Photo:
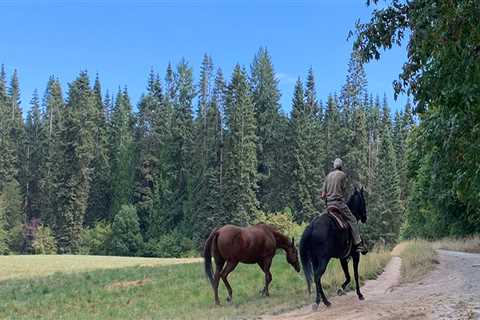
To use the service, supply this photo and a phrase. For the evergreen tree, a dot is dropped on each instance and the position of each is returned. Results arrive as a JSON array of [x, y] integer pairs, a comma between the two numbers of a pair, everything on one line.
[[332, 132], [154, 136], [314, 143], [3, 224], [385, 209], [34, 156], [182, 147], [11, 129], [355, 135], [50, 169], [209, 212], [272, 193], [121, 152], [299, 122], [77, 147], [241, 157], [99, 196], [204, 100], [13, 205]]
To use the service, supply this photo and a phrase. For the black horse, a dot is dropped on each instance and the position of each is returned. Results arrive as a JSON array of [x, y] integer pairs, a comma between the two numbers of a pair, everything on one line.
[[323, 239]]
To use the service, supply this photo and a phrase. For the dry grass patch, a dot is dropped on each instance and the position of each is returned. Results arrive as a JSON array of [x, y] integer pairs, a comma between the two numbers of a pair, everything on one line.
[[127, 284], [471, 244], [418, 258], [32, 266]]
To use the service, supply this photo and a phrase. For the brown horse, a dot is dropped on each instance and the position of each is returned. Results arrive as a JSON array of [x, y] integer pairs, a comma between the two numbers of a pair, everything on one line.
[[255, 244]]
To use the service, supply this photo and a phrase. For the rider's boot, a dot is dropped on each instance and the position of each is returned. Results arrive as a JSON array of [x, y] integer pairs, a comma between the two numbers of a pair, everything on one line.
[[361, 248]]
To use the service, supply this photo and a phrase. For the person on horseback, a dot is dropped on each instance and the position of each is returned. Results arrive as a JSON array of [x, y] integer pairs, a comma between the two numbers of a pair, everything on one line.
[[334, 189]]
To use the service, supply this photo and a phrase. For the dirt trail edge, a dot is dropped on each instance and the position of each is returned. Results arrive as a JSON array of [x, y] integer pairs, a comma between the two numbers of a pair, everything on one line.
[[451, 291]]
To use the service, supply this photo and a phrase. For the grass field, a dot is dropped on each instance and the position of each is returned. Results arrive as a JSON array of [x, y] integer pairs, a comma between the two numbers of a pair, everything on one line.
[[154, 292], [28, 266]]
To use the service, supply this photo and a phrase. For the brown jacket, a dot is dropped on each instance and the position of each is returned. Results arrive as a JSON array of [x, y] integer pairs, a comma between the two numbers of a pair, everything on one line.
[[335, 186]]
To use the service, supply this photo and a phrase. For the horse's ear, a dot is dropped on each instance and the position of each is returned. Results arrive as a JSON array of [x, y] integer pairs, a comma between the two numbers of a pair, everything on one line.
[[355, 188], [293, 241]]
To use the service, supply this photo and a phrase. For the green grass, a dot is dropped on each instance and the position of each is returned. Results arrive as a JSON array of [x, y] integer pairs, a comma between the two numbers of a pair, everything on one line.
[[418, 258], [28, 266], [165, 292]]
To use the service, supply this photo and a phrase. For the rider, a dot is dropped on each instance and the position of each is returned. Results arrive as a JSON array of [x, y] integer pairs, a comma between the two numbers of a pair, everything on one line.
[[334, 190]]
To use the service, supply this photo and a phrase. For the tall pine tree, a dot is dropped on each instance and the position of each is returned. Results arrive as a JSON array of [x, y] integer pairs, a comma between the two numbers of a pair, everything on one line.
[[241, 156]]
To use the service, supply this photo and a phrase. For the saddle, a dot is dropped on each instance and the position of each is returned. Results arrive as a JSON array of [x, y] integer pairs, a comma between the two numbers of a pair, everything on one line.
[[338, 217]]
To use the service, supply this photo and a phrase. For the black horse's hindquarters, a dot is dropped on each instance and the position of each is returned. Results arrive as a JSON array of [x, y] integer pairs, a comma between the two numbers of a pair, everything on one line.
[[329, 239]]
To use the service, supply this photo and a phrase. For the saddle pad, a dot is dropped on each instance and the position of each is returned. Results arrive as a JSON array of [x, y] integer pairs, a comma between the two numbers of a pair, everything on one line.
[[338, 217]]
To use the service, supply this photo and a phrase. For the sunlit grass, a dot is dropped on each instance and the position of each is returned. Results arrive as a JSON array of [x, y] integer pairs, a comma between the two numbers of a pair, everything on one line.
[[418, 258], [163, 292], [28, 266]]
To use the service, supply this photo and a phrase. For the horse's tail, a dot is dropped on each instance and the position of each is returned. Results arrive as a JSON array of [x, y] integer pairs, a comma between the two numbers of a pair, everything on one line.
[[305, 256], [207, 254]]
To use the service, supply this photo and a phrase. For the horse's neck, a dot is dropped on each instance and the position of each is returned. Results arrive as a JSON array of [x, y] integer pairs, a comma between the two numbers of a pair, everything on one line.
[[352, 207], [282, 241]]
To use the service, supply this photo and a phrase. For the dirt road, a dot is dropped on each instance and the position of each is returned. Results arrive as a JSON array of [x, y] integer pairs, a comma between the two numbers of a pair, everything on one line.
[[451, 291]]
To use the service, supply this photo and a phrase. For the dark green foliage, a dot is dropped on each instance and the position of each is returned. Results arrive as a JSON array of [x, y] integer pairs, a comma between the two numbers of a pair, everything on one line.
[[96, 240], [306, 152], [76, 147], [209, 207], [50, 166], [153, 134], [241, 154], [272, 193], [181, 148], [99, 200], [33, 158], [3, 227], [13, 205], [170, 245], [126, 238], [122, 154], [11, 129], [442, 74]]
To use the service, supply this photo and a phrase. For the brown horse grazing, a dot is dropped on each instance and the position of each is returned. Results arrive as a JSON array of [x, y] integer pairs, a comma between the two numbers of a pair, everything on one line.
[[254, 244]]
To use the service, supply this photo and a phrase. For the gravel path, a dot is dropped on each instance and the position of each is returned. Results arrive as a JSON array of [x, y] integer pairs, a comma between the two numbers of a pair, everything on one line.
[[451, 291]]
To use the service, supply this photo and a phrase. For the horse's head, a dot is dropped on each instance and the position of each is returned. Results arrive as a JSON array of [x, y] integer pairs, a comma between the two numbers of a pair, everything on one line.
[[292, 255], [358, 205]]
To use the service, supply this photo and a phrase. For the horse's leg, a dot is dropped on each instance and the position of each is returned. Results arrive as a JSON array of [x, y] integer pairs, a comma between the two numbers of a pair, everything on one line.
[[318, 273], [219, 262], [265, 265], [224, 274], [356, 261], [344, 263]]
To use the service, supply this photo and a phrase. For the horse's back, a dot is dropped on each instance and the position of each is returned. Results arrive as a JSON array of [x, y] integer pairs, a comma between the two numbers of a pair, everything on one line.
[[245, 244]]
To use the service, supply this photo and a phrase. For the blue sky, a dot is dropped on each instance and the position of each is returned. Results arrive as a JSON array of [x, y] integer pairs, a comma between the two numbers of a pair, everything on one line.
[[121, 40]]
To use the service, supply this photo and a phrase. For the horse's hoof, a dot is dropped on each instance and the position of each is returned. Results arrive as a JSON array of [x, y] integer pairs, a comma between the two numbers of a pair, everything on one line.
[[229, 299], [361, 297], [315, 307], [327, 303], [217, 303], [340, 292]]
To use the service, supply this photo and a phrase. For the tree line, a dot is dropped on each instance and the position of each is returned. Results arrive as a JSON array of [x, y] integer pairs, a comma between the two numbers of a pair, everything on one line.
[[85, 172]]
